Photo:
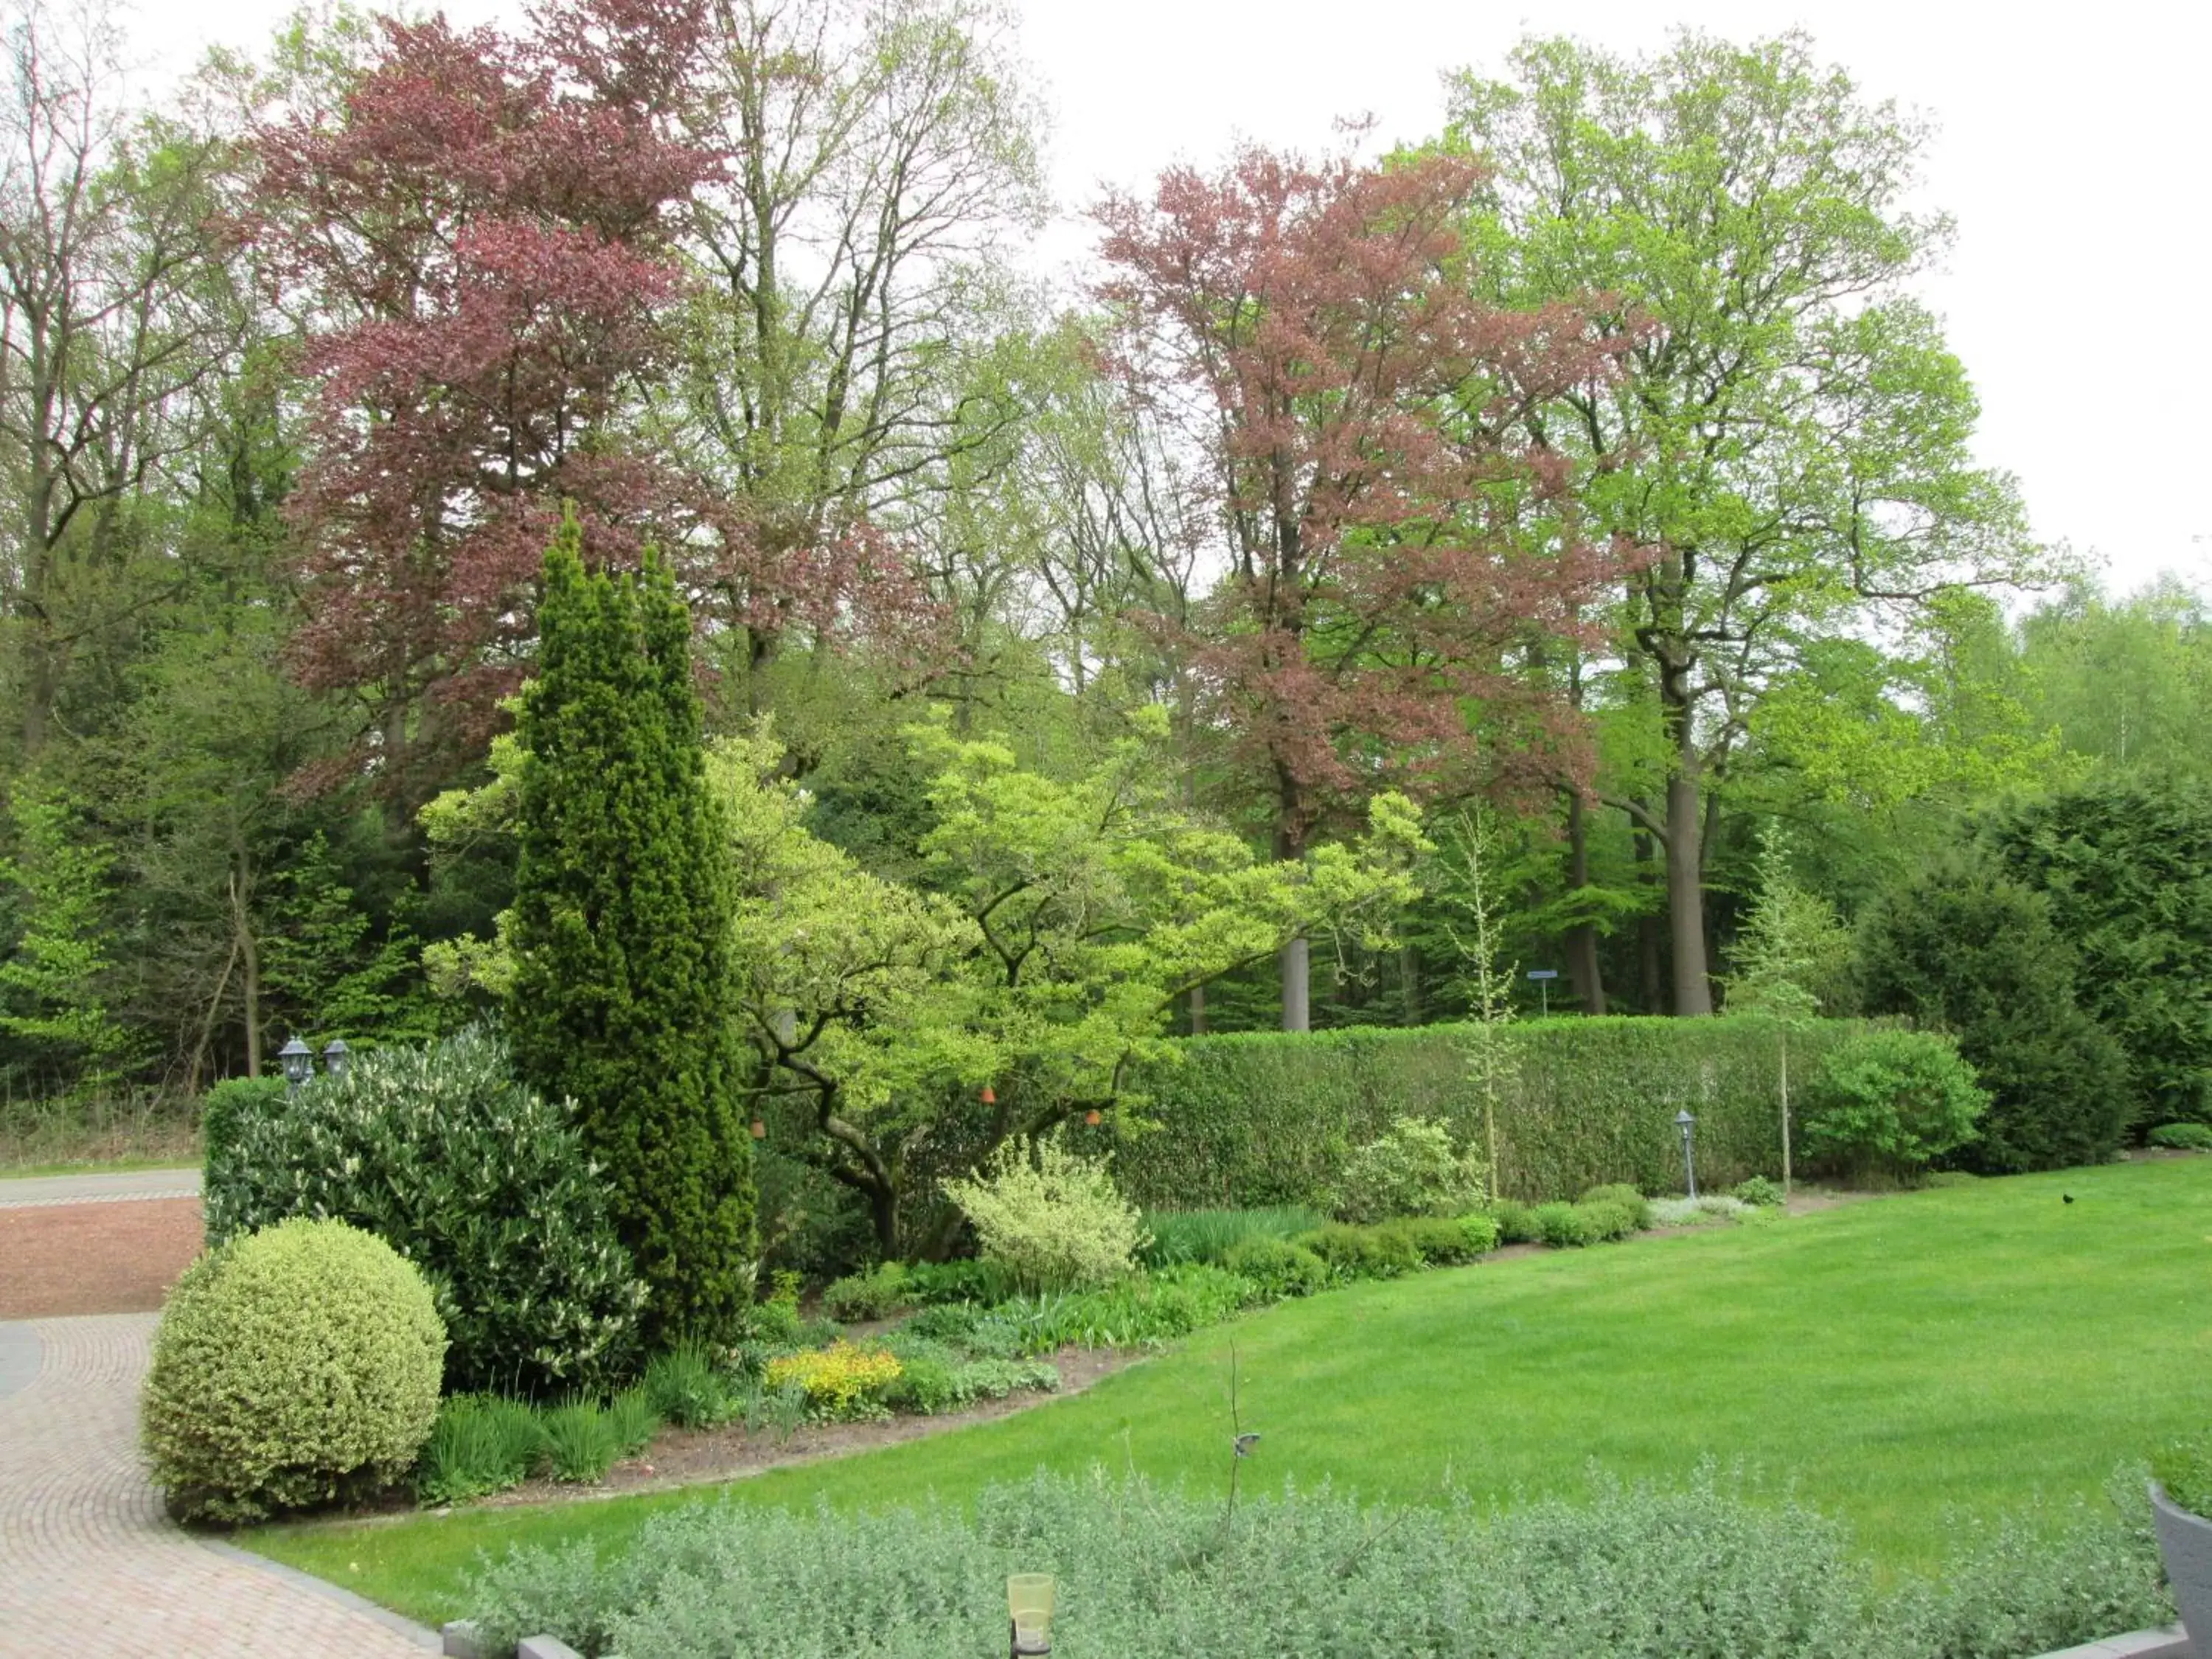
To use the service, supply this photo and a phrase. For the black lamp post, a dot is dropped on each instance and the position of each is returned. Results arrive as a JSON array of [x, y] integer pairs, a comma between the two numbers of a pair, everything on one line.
[[299, 1062], [335, 1056], [1687, 1125]]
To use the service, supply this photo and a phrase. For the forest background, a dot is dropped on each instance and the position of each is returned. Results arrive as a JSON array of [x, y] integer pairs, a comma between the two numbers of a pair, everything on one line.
[[1588, 473]]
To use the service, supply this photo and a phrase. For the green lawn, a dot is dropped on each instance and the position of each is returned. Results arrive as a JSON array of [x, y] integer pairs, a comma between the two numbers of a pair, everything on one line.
[[1967, 1348]]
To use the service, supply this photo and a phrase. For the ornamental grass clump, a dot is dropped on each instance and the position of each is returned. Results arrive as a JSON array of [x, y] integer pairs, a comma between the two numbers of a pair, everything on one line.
[[480, 1445], [1053, 1217], [293, 1367]]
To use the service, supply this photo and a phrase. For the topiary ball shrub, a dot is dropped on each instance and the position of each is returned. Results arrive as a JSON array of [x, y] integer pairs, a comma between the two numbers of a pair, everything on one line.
[[481, 1183], [293, 1367], [1886, 1103]]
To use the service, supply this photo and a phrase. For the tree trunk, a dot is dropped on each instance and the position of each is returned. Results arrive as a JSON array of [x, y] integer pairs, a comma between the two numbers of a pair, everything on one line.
[[1198, 1010], [1297, 972], [1685, 896], [1651, 982], [1409, 983], [1582, 939]]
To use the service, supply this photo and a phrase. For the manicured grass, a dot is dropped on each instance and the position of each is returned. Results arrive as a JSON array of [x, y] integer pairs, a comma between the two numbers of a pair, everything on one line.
[[1966, 1349]]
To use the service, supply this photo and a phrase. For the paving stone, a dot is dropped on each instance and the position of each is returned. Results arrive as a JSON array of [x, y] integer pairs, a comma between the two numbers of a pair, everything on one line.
[[89, 1566]]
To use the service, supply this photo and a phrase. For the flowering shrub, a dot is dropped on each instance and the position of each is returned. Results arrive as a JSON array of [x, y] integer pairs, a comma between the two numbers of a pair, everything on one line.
[[841, 1382], [1057, 1223]]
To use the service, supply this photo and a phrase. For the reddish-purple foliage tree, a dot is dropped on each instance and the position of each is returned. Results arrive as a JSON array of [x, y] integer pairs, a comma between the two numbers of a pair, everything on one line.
[[479, 231], [1394, 548]]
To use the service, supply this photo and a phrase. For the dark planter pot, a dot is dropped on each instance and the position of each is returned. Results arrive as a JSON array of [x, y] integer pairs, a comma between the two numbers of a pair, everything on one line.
[[2185, 1541]]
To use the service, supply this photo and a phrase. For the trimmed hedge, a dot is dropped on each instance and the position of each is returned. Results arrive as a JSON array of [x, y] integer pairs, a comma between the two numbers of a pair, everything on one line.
[[1266, 1117]]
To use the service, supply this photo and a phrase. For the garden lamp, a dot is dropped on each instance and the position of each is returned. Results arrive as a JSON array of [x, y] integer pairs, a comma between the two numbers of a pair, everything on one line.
[[1687, 1125], [1029, 1600], [335, 1056], [299, 1062]]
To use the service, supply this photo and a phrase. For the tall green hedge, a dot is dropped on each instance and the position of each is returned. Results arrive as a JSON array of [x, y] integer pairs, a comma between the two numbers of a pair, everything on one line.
[[1269, 1117]]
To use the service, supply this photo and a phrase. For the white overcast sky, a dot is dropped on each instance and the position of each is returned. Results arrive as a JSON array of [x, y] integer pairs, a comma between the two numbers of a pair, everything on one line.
[[2074, 149]]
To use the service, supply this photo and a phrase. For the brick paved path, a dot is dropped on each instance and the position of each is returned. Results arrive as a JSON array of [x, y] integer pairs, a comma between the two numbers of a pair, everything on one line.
[[89, 1567]]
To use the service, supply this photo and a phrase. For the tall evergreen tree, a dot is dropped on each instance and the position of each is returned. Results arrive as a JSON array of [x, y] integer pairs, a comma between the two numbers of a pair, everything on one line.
[[623, 993]]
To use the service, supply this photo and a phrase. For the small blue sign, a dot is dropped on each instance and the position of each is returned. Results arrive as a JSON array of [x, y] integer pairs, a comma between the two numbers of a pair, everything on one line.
[[1543, 973]]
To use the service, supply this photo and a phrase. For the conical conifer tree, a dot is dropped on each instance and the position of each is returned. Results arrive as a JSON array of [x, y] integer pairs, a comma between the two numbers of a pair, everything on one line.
[[622, 999]]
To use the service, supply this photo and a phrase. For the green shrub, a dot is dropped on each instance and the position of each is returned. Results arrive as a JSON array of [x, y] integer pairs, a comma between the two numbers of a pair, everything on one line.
[[1412, 1168], [935, 1283], [1609, 1219], [1180, 1236], [1260, 1117], [1446, 1240], [582, 1441], [1361, 1252], [1949, 1178], [624, 986], [876, 1294], [1961, 949], [1152, 1308], [1279, 1267], [1888, 1101], [293, 1367], [1759, 1191], [481, 1183], [935, 1380], [2125, 866], [683, 1386], [1515, 1223], [228, 1106], [927, 1383], [481, 1444], [2184, 1137], [1053, 1219], [1711, 1568], [1626, 1197], [1564, 1226]]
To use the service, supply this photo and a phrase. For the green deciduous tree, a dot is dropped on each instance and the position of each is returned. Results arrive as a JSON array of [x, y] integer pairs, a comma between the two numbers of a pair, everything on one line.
[[54, 981], [621, 932], [1791, 440]]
